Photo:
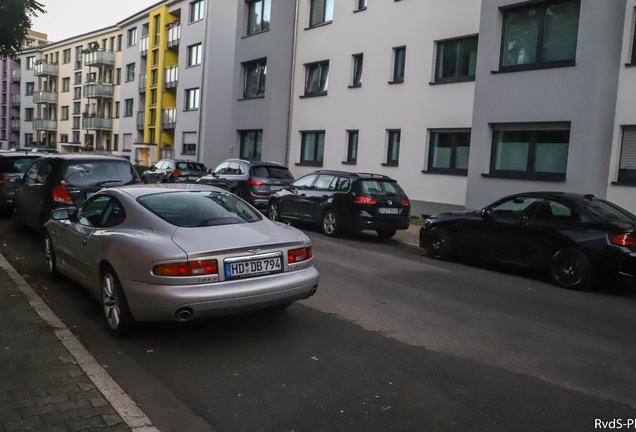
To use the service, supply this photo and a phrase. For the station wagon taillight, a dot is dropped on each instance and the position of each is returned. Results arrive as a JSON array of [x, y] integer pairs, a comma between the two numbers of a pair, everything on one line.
[[406, 202], [176, 173], [622, 239], [60, 194], [255, 182], [365, 200], [4, 179], [190, 268], [298, 255]]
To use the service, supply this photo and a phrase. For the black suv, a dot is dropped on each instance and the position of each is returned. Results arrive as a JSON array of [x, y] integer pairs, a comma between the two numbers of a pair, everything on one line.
[[13, 165], [55, 181], [174, 171], [254, 181], [341, 200]]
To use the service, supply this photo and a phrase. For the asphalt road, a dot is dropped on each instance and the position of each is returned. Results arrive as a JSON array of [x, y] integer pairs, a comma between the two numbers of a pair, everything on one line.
[[392, 341]]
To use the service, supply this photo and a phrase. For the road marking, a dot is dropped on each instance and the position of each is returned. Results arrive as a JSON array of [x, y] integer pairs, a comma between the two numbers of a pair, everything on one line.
[[120, 401]]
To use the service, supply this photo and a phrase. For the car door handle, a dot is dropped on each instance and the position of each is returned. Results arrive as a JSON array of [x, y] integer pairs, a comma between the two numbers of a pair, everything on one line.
[[54, 232], [84, 242]]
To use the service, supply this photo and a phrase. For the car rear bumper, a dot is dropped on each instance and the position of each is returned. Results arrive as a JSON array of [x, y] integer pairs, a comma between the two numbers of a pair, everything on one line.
[[627, 266], [6, 197], [162, 302], [377, 223]]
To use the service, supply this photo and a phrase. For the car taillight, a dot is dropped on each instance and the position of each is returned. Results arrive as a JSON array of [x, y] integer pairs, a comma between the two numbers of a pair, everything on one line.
[[191, 268], [365, 200], [4, 179], [255, 182], [622, 239], [176, 173], [298, 255], [60, 194], [406, 202]]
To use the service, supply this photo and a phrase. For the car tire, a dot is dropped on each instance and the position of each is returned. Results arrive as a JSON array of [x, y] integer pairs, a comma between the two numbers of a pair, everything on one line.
[[386, 234], [115, 306], [49, 257], [17, 223], [438, 244], [273, 211], [330, 223], [570, 268]]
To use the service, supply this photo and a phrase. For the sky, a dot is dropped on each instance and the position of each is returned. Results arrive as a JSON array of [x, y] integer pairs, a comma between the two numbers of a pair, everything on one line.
[[67, 18]]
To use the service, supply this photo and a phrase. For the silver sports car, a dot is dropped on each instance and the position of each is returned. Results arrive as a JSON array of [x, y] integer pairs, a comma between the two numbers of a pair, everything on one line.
[[177, 252]]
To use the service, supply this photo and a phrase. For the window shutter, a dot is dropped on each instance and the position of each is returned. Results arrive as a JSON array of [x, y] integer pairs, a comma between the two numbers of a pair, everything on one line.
[[628, 148]]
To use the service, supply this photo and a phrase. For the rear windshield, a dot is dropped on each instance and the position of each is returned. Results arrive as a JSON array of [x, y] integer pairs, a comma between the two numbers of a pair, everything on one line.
[[15, 165], [607, 211], [380, 187], [190, 166], [200, 208], [272, 172], [99, 173]]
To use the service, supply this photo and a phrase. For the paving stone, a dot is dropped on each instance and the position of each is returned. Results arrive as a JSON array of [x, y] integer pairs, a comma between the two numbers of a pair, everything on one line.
[[86, 387], [53, 419], [33, 423], [32, 412], [91, 412], [111, 420], [98, 402], [65, 406], [93, 422], [41, 401]]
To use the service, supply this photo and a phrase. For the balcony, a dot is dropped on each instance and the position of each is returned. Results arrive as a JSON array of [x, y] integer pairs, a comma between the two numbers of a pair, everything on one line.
[[99, 58], [142, 83], [45, 125], [44, 97], [171, 77], [97, 123], [15, 124], [98, 91], [15, 100], [42, 68], [141, 120], [16, 75], [174, 36], [169, 118], [143, 46]]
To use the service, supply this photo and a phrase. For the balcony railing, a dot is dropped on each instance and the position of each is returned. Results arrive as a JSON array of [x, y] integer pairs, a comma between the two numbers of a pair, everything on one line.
[[44, 97], [97, 123], [171, 77], [95, 91], [174, 36], [142, 83], [141, 120], [15, 100], [143, 46], [169, 118], [15, 123], [45, 125], [42, 68], [99, 58], [16, 75]]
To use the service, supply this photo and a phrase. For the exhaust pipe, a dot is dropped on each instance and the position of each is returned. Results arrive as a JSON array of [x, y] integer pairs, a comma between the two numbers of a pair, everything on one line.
[[184, 314], [313, 290]]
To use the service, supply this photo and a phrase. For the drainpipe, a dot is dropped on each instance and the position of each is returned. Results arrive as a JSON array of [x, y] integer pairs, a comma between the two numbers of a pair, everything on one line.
[[202, 111], [291, 86]]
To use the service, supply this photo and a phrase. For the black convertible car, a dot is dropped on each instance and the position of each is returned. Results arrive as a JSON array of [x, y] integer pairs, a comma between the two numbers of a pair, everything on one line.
[[574, 237]]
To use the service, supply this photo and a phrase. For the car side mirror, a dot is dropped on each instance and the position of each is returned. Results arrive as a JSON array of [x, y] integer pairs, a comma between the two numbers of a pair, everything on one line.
[[15, 179], [152, 168], [62, 213], [210, 171], [485, 213]]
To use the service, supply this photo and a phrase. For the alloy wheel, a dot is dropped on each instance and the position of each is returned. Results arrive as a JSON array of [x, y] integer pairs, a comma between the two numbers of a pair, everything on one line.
[[329, 223], [273, 212], [110, 301], [49, 255], [570, 268]]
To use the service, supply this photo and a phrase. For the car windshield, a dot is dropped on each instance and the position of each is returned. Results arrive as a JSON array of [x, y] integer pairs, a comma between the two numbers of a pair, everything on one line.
[[15, 165], [200, 208], [191, 166], [272, 172], [607, 211], [380, 187], [98, 173]]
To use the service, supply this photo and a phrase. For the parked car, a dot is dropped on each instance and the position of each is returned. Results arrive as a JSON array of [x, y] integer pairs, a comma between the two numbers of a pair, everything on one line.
[[13, 165], [341, 200], [572, 237], [55, 181], [174, 171], [41, 150], [254, 181], [178, 253]]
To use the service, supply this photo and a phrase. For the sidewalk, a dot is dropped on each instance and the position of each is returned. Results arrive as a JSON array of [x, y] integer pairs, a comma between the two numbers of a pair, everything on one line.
[[48, 381], [410, 236]]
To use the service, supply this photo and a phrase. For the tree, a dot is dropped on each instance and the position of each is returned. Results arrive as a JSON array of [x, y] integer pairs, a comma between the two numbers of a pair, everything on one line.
[[15, 21]]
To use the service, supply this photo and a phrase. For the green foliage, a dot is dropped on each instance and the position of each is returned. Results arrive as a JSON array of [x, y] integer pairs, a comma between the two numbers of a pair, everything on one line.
[[140, 169], [15, 21]]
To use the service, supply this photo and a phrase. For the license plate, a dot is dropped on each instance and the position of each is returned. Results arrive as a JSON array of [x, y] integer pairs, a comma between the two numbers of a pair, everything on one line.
[[384, 210], [88, 195], [252, 268], [275, 188]]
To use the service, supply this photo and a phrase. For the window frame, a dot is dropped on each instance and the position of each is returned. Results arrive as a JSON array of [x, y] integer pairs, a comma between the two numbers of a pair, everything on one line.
[[261, 67], [324, 14], [389, 147], [128, 102], [458, 61], [394, 78], [193, 16], [452, 170], [187, 100], [251, 3], [351, 159], [321, 84], [244, 133], [131, 37], [130, 67], [314, 161], [626, 175], [358, 70], [198, 50]]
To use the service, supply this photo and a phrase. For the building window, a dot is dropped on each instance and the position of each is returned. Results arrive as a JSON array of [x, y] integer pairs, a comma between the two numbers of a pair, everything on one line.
[[76, 108], [197, 10], [78, 57], [118, 76], [352, 146], [119, 42], [627, 164], [153, 97], [63, 138], [399, 63], [258, 16], [540, 35], [192, 99], [130, 72], [194, 55], [254, 82], [456, 60], [312, 147], [361, 4], [189, 143], [28, 114], [77, 93], [448, 152], [154, 76], [321, 12], [534, 152], [76, 122], [357, 70], [28, 139], [76, 136], [155, 57], [157, 25], [128, 108], [251, 144], [64, 113], [66, 56], [116, 113], [132, 36], [29, 88], [77, 78], [317, 78], [66, 84], [115, 142], [151, 136], [30, 62], [393, 147]]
